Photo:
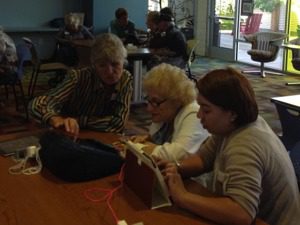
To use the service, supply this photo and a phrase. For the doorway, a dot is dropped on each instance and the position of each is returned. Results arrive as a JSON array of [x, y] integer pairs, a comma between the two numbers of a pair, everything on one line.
[[222, 32], [266, 16], [228, 25]]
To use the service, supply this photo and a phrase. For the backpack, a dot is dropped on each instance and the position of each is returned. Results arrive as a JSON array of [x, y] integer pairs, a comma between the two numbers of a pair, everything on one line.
[[83, 160]]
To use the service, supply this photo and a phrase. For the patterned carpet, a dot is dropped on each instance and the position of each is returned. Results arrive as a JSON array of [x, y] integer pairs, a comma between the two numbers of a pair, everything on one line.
[[139, 120], [265, 88]]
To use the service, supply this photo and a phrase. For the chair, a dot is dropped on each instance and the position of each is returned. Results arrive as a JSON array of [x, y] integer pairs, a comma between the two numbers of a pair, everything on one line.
[[252, 24], [295, 157], [40, 67], [191, 46], [23, 53], [296, 54], [294, 45], [290, 125], [265, 47]]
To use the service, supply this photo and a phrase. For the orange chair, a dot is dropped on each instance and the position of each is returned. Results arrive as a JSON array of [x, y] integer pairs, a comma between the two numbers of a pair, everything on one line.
[[252, 24]]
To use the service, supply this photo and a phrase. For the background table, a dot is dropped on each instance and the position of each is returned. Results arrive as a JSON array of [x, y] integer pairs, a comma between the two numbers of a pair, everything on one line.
[[137, 55]]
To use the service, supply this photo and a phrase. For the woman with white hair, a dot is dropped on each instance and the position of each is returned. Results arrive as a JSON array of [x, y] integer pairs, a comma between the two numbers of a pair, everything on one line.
[[95, 97], [175, 131]]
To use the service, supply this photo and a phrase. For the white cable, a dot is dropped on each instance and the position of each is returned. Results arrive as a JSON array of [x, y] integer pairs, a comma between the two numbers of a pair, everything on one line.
[[20, 168]]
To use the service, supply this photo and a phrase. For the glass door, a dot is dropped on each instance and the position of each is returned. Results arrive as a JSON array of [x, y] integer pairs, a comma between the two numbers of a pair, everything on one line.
[[222, 29], [266, 15]]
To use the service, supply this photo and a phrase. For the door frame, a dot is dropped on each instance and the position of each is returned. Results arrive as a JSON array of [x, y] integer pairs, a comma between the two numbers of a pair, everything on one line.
[[218, 52]]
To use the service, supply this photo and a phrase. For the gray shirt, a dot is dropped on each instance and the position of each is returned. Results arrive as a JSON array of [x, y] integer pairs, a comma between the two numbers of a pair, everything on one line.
[[252, 167]]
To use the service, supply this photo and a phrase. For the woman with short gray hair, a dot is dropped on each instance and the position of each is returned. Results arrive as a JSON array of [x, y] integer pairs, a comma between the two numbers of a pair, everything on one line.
[[108, 47], [96, 97]]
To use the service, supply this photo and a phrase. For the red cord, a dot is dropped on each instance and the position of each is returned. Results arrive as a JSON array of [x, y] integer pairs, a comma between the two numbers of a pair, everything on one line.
[[108, 194]]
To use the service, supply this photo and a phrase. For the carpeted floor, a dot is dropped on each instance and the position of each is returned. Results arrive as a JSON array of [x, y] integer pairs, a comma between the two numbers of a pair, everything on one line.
[[139, 120], [265, 88]]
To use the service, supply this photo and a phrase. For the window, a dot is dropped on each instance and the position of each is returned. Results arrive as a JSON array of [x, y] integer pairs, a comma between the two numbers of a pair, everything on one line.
[[154, 5]]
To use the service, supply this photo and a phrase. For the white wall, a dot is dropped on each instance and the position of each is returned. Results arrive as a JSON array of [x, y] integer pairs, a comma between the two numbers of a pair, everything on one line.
[[201, 25]]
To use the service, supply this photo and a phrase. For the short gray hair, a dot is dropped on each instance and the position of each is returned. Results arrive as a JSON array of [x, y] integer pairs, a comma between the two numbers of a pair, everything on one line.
[[170, 82], [109, 47]]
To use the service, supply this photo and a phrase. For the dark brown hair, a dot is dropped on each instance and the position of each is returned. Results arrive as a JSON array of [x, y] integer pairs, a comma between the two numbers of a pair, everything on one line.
[[120, 12], [229, 89]]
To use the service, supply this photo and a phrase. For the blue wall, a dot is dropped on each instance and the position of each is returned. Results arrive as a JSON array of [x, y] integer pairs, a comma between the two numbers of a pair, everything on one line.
[[34, 13], [104, 12]]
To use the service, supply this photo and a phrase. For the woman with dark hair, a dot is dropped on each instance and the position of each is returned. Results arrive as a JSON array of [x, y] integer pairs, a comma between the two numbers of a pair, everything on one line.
[[252, 173]]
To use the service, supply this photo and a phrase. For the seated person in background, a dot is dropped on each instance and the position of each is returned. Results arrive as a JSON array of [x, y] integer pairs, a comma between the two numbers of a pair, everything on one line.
[[252, 172], [152, 22], [172, 47], [95, 97], [175, 131], [123, 27], [8, 59], [73, 30], [168, 11]]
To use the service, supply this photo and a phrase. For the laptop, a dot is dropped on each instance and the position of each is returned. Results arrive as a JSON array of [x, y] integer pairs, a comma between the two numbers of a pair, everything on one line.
[[16, 146], [143, 177]]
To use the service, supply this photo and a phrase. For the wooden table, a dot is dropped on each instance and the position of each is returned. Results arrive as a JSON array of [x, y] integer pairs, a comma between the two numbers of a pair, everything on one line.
[[43, 199]]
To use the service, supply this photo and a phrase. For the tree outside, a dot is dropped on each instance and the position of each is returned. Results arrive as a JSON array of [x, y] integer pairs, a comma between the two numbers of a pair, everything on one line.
[[272, 6]]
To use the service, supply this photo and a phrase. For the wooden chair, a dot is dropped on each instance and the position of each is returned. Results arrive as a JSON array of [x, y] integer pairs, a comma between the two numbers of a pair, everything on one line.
[[40, 67], [252, 24]]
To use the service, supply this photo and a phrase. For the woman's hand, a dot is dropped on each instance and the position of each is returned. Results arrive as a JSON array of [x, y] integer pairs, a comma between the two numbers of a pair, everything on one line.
[[175, 183], [69, 124], [139, 138], [161, 163]]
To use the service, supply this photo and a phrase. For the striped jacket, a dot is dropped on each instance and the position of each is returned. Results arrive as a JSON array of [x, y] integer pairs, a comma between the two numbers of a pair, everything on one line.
[[82, 95]]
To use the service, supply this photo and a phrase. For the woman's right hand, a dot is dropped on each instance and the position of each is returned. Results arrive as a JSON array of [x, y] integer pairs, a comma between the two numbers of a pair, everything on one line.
[[69, 124], [161, 163]]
